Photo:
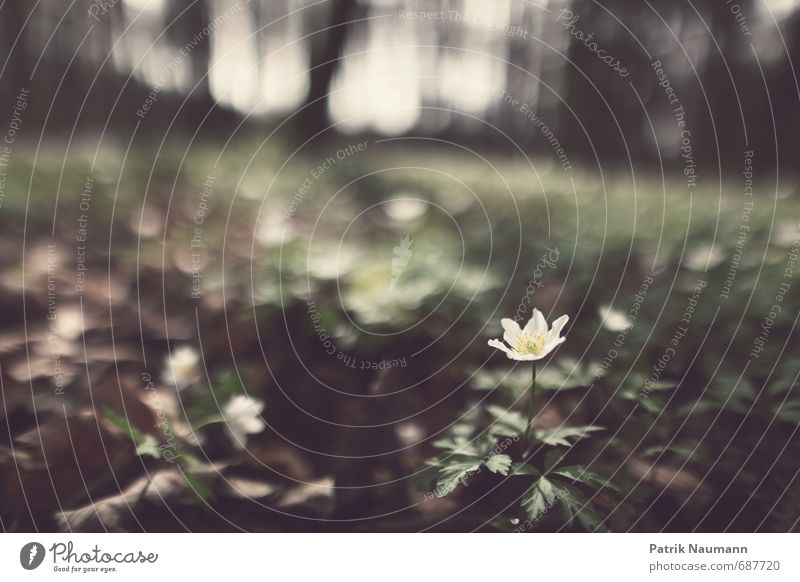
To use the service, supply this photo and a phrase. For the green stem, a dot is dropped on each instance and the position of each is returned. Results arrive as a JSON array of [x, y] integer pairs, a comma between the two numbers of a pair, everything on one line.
[[208, 421], [531, 409]]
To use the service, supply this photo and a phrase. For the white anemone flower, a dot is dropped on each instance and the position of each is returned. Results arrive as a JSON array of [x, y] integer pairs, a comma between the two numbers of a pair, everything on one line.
[[181, 367], [242, 417], [534, 341]]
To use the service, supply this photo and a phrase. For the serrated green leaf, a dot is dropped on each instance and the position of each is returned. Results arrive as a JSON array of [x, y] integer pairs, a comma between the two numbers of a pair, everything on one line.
[[499, 464], [456, 467], [506, 422], [540, 497], [583, 475], [458, 444], [453, 472], [558, 436], [576, 506], [451, 443]]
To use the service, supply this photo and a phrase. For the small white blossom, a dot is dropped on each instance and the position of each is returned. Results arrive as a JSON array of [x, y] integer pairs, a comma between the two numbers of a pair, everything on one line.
[[702, 257], [242, 417], [614, 319], [534, 341], [784, 233], [181, 368], [405, 210]]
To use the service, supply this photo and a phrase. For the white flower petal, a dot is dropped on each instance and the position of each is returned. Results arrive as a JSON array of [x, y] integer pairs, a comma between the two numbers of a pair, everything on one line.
[[251, 425], [537, 323], [512, 330], [537, 342], [512, 354], [241, 414], [500, 346], [558, 325], [553, 344], [181, 367]]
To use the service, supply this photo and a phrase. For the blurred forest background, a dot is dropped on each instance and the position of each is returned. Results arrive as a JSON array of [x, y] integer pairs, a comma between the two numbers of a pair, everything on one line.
[[91, 65], [194, 193]]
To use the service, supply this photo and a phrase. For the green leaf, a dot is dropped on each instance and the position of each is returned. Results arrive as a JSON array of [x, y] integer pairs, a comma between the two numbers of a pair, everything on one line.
[[458, 465], [200, 489], [506, 422], [514, 382], [133, 433], [567, 373], [499, 464], [146, 444], [788, 412], [524, 469], [683, 452], [583, 475], [452, 443], [456, 469], [651, 404], [558, 436], [188, 463], [207, 401], [539, 498], [576, 506]]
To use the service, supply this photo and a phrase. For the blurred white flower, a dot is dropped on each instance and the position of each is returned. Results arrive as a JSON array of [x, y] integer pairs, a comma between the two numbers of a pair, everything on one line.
[[69, 322], [181, 367], [241, 415], [403, 210], [274, 229], [410, 433], [703, 257], [614, 319], [534, 341], [784, 233]]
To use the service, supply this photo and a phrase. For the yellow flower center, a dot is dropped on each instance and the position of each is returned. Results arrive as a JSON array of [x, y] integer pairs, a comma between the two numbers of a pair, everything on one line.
[[530, 343]]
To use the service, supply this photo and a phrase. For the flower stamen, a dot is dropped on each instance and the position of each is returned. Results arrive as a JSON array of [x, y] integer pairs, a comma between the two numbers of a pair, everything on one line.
[[530, 343]]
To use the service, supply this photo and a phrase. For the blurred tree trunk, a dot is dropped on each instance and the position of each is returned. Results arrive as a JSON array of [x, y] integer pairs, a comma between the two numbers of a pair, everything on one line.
[[523, 71], [327, 40], [187, 31], [717, 125], [602, 115], [783, 80], [191, 32], [14, 55]]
